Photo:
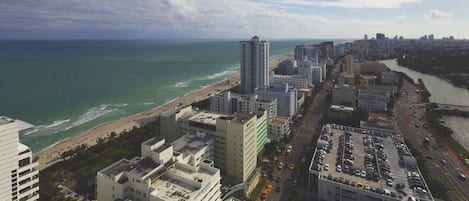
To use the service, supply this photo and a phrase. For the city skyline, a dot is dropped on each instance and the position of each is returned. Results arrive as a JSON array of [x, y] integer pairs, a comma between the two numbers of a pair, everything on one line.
[[53, 19]]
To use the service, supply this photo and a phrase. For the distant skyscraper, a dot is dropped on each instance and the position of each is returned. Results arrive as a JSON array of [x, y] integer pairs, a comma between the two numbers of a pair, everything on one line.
[[254, 64], [366, 37], [380, 36]]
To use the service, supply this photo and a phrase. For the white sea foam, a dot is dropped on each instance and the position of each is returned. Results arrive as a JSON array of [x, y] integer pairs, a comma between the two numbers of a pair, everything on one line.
[[181, 84], [57, 123], [64, 125], [148, 103], [230, 71]]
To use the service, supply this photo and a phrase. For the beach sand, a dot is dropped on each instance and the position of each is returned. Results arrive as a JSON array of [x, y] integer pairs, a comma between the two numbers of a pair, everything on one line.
[[51, 155]]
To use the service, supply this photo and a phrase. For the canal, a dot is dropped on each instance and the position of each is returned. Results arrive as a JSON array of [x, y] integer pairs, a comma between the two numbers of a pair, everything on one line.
[[442, 92]]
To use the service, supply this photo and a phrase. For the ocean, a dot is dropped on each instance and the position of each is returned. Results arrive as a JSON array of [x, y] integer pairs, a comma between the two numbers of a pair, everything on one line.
[[67, 87]]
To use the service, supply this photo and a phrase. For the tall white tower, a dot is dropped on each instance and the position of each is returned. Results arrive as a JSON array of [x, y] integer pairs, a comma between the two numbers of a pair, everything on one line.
[[19, 177], [8, 157], [254, 64]]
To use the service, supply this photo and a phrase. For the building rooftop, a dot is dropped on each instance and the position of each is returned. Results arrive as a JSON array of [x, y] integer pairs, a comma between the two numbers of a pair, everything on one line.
[[205, 117], [137, 166], [279, 121], [360, 156], [5, 120], [191, 143], [183, 182], [344, 86], [380, 123], [341, 108]]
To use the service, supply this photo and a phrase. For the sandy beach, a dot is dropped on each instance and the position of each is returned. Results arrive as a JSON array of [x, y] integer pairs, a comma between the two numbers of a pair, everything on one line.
[[51, 155]]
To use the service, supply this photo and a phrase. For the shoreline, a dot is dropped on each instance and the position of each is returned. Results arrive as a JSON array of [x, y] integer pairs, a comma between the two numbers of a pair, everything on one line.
[[51, 154]]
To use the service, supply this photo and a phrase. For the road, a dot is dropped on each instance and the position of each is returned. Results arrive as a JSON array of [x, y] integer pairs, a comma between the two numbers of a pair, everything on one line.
[[410, 119], [304, 135]]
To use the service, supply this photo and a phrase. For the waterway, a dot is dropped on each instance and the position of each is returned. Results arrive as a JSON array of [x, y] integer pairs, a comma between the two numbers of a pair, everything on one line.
[[442, 92]]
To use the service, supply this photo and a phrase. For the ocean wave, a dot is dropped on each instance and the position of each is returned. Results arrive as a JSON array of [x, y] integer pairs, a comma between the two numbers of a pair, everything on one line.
[[67, 124], [148, 103], [230, 71], [181, 84]]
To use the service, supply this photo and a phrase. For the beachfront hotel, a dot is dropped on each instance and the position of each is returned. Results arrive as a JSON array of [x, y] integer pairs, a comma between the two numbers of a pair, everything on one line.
[[182, 170], [254, 61], [361, 164], [19, 176], [237, 137]]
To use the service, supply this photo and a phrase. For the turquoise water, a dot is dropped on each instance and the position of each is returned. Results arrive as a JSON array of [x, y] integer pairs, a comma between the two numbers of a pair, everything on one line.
[[67, 87]]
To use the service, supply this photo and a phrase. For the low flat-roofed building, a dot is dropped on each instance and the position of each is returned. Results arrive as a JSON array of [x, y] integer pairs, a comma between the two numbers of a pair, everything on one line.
[[278, 129], [340, 112], [178, 171], [379, 125], [372, 100], [361, 164], [389, 77], [344, 95]]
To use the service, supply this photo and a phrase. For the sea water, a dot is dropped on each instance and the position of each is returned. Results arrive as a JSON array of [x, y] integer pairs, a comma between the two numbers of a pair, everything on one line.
[[67, 87]]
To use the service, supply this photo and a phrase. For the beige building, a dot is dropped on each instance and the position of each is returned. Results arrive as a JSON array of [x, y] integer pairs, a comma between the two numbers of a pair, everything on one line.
[[165, 172], [168, 122], [372, 67], [237, 138], [19, 176], [278, 129], [349, 64]]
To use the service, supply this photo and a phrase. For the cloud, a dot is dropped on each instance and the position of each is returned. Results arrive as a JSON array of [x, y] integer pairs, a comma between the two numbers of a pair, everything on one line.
[[401, 17], [437, 14], [172, 18], [350, 3]]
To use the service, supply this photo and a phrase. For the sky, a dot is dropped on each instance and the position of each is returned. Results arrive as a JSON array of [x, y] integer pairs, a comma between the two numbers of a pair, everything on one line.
[[231, 19]]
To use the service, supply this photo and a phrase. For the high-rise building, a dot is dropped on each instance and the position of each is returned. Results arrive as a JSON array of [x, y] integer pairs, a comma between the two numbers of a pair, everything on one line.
[[19, 176], [348, 64], [380, 36], [254, 64], [238, 138]]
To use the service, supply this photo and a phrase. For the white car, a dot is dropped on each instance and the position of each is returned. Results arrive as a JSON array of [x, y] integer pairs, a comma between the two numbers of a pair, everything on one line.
[[326, 167], [280, 165], [338, 168]]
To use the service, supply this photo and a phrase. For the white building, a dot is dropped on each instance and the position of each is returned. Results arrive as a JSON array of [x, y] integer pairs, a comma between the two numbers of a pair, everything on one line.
[[278, 129], [229, 103], [254, 64], [165, 172], [298, 80], [286, 98], [19, 176]]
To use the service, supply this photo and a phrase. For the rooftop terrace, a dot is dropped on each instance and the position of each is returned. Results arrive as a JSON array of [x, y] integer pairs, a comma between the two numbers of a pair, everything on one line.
[[183, 183], [369, 161], [191, 143], [137, 166]]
